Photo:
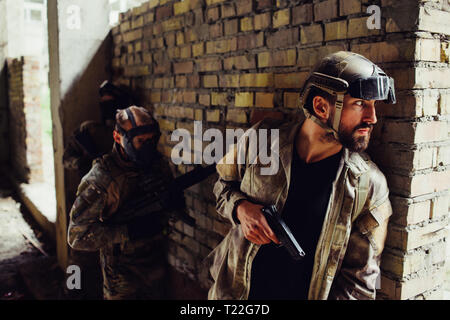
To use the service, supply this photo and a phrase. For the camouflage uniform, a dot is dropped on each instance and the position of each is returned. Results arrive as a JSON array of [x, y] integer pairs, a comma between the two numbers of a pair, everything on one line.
[[347, 258], [132, 269], [91, 140]]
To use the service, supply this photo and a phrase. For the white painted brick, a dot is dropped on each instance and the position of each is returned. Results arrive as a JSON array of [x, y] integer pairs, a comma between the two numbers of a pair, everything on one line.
[[414, 132], [428, 50], [432, 77], [402, 290], [405, 239], [439, 207], [434, 21], [405, 214], [404, 264]]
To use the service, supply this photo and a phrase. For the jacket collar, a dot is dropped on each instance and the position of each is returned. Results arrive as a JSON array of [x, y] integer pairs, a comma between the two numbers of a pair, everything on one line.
[[356, 162]]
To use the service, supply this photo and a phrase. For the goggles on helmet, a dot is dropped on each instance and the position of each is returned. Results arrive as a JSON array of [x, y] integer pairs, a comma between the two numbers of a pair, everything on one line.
[[372, 88]]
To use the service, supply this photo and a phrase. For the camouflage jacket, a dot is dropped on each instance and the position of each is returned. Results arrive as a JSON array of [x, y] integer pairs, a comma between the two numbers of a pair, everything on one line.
[[100, 196], [347, 258], [91, 140]]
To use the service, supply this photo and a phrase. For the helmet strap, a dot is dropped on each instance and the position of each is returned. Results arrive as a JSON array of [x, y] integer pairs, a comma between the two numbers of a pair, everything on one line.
[[317, 121], [337, 114]]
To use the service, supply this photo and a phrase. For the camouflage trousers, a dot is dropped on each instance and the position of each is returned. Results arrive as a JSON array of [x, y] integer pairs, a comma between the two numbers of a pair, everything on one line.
[[131, 273]]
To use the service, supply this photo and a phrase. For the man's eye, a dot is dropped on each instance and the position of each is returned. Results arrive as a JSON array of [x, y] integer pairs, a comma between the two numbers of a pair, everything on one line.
[[359, 103]]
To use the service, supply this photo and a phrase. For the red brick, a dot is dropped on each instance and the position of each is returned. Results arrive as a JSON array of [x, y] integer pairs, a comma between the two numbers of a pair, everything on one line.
[[311, 34], [204, 99], [163, 67], [240, 62], [283, 38], [167, 96], [228, 10], [277, 58], [281, 18], [164, 12], [183, 67], [216, 30], [262, 4], [210, 81], [258, 115], [244, 7], [326, 10], [189, 97], [231, 27], [290, 80], [291, 100], [172, 24], [221, 46], [209, 64], [219, 99], [181, 82], [251, 41], [170, 39], [194, 81], [348, 7], [213, 14], [229, 81], [237, 116], [264, 100], [262, 21]]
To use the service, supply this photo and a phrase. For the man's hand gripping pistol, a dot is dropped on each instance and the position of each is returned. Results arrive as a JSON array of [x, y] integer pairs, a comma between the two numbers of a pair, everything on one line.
[[282, 232]]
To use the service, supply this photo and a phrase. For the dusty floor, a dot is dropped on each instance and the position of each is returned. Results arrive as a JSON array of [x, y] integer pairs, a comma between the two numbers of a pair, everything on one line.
[[28, 268]]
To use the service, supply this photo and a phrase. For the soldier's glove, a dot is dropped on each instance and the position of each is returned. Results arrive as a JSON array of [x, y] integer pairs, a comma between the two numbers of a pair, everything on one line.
[[144, 227]]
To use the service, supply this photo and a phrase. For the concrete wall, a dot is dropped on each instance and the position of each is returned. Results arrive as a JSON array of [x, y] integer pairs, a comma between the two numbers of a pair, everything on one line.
[[4, 145], [230, 63], [79, 59]]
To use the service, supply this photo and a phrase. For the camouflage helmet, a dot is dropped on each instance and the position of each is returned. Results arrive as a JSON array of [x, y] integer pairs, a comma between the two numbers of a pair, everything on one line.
[[344, 73]]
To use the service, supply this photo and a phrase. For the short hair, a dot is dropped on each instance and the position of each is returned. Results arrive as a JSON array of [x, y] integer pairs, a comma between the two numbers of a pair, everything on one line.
[[314, 92], [144, 116]]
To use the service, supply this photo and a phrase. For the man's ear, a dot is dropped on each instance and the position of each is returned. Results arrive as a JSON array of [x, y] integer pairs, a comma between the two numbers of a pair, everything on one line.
[[117, 137], [322, 108]]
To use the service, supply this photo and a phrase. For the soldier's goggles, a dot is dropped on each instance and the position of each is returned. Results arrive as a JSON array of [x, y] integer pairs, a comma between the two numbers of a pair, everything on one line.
[[374, 88]]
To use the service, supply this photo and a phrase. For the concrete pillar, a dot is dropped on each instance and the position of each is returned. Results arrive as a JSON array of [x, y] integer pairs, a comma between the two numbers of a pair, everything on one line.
[[4, 147], [79, 58]]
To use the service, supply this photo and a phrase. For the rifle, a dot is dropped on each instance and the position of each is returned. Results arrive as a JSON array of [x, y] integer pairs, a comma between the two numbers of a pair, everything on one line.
[[158, 197], [283, 232]]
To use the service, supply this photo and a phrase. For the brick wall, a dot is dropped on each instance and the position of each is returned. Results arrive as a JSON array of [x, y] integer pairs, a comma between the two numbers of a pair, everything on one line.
[[412, 147], [230, 63], [25, 119]]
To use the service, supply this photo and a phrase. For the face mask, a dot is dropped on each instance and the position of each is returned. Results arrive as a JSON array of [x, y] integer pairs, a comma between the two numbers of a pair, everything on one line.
[[146, 154]]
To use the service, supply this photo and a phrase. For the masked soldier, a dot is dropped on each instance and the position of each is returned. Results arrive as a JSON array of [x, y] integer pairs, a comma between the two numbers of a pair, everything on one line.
[[331, 196], [108, 214], [93, 139]]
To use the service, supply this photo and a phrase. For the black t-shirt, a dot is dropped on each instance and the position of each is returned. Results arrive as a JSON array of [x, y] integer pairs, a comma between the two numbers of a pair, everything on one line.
[[275, 275]]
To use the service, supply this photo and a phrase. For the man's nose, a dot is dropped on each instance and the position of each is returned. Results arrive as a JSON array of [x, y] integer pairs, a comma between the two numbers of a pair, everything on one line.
[[370, 114]]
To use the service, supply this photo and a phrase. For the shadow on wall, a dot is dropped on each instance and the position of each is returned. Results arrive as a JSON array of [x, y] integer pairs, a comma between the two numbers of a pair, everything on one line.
[[81, 103]]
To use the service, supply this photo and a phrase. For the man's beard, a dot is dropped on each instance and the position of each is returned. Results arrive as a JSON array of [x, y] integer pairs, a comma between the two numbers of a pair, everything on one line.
[[355, 143]]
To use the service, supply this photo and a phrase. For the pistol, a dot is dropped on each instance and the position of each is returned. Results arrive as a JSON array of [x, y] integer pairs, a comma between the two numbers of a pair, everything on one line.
[[283, 232]]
